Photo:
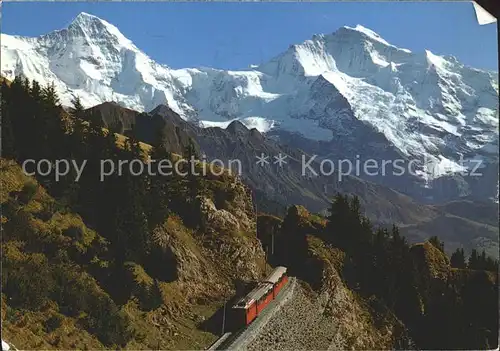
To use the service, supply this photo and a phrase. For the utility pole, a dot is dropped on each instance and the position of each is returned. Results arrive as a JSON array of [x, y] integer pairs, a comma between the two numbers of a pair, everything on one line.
[[256, 218], [267, 258], [224, 317], [272, 244]]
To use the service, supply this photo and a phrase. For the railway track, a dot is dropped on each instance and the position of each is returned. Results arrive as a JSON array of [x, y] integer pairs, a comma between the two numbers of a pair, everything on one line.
[[226, 340], [230, 340], [233, 338], [219, 343]]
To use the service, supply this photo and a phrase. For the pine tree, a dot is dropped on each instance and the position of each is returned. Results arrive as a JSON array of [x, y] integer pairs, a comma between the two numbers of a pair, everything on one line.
[[355, 208], [18, 105], [53, 124], [482, 260], [473, 260], [491, 264], [190, 151], [434, 240], [338, 224], [36, 91], [159, 192], [196, 186], [134, 221], [78, 143], [458, 259], [8, 144], [77, 110]]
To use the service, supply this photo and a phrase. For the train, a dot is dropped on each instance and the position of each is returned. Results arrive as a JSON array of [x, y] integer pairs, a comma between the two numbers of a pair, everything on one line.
[[245, 310]]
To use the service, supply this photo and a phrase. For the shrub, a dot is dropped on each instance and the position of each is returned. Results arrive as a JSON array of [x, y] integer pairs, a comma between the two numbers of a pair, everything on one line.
[[49, 209], [28, 192], [105, 320], [27, 281], [144, 287], [78, 294], [53, 322]]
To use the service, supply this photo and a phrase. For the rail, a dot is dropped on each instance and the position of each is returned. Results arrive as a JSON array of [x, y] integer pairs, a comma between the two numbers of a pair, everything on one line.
[[217, 343]]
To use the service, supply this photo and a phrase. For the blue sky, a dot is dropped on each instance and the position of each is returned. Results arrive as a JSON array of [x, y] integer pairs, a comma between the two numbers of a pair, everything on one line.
[[235, 35]]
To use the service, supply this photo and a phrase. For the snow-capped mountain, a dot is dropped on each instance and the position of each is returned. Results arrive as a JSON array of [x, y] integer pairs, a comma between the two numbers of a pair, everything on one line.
[[426, 106]]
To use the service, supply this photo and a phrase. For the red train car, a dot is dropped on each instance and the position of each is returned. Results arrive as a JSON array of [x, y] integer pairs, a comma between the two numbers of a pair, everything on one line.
[[278, 278], [250, 306]]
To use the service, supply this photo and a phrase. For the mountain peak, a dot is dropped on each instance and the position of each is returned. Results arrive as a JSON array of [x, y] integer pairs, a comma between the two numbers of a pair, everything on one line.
[[93, 26], [86, 15], [367, 33], [161, 109], [236, 127], [364, 30], [85, 19]]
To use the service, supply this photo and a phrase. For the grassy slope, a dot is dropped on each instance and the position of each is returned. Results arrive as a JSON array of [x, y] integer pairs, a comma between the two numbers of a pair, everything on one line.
[[24, 328]]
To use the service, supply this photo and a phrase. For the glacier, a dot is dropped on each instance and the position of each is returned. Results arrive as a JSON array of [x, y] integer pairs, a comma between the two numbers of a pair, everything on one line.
[[427, 106]]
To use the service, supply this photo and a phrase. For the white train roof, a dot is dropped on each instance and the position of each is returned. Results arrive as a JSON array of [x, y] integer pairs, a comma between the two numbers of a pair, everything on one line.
[[260, 290], [276, 274]]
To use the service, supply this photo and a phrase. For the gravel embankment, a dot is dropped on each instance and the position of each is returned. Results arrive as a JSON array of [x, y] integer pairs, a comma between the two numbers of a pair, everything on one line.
[[297, 323]]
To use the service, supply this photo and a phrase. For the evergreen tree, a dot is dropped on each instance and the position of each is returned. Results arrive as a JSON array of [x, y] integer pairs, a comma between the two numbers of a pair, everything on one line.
[[50, 95], [133, 218], [491, 264], [78, 139], [195, 186], [355, 208], [54, 125], [190, 151], [36, 91], [434, 240], [458, 259], [8, 145], [338, 228], [482, 261], [18, 106], [77, 110], [159, 191], [473, 260]]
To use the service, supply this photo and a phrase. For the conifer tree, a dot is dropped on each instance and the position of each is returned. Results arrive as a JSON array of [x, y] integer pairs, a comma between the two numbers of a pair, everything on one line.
[[159, 191], [482, 261], [78, 143], [18, 107], [8, 145], [457, 259], [133, 219], [338, 228], [36, 91], [195, 184], [434, 240], [473, 260], [54, 124]]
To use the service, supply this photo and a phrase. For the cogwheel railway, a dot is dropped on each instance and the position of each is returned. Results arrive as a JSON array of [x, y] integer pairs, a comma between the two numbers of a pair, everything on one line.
[[248, 308]]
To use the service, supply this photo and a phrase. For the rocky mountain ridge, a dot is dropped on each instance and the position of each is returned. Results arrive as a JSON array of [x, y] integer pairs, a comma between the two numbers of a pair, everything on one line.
[[461, 224]]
